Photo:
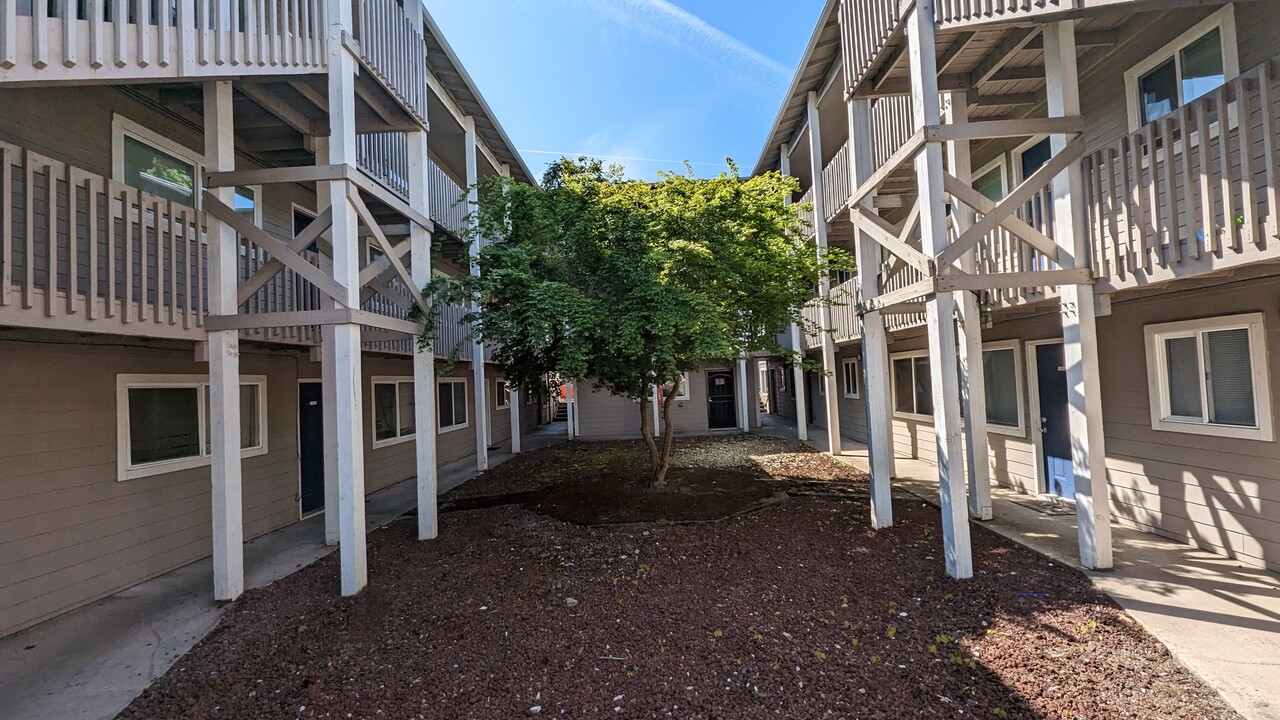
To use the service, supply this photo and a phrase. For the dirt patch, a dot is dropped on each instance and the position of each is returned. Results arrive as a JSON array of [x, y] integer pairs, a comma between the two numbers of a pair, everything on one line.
[[800, 611], [693, 494]]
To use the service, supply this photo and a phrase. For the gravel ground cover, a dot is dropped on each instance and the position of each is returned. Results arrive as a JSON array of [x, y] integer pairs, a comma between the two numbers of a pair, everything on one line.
[[798, 610]]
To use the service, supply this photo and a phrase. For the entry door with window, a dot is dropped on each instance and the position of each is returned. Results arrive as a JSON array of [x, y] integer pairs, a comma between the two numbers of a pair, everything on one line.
[[1055, 420], [721, 409], [311, 446]]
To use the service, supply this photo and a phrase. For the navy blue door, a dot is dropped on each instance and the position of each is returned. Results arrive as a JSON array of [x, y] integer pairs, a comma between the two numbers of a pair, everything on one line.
[[1055, 423], [311, 446]]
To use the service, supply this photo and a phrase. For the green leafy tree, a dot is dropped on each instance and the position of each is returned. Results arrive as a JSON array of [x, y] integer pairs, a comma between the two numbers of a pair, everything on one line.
[[631, 283]]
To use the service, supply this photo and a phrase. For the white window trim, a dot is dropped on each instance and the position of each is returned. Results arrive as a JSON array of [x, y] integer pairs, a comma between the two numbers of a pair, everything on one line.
[[1002, 162], [822, 382], [126, 470], [684, 383], [441, 430], [501, 394], [257, 203], [1224, 20], [844, 378], [1157, 377], [893, 386], [374, 382], [1014, 173], [122, 126], [1018, 375]]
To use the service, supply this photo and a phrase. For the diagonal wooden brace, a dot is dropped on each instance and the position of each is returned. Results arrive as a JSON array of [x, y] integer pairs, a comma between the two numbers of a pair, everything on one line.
[[1012, 202], [962, 192], [385, 245], [311, 234], [274, 247], [887, 235]]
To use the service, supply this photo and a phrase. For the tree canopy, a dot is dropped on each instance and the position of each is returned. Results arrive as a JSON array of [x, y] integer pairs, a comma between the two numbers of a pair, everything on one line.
[[630, 283]]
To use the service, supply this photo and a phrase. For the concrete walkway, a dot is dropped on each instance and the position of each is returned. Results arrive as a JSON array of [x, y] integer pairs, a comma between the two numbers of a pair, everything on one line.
[[92, 662], [1219, 617]]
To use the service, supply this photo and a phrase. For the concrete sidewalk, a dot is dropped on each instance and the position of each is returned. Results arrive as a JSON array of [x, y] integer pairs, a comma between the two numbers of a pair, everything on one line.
[[91, 662], [1217, 616]]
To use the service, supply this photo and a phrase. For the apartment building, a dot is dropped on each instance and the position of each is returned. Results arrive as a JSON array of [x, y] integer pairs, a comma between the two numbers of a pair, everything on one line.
[[215, 217], [722, 397], [1065, 216]]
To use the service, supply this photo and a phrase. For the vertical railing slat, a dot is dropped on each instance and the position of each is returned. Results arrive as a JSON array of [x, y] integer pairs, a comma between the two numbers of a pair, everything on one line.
[[1224, 158], [7, 201], [91, 228], [1269, 109], [1244, 138], [1208, 231], [119, 21]]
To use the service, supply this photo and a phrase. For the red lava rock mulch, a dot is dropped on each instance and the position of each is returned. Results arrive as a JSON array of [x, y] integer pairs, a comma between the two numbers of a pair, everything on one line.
[[796, 611]]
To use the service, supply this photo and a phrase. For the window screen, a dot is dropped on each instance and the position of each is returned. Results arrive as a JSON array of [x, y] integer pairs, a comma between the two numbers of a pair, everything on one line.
[[164, 424], [999, 370], [1230, 372]]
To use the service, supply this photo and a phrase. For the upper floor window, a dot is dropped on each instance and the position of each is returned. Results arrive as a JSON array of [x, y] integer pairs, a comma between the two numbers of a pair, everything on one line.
[[912, 386], [1197, 62], [1209, 377], [154, 164]]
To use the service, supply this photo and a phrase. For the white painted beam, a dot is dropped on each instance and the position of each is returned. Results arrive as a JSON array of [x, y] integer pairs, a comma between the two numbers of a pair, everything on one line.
[[477, 346], [824, 283], [875, 341], [224, 359], [424, 364], [973, 392], [925, 111], [342, 342], [513, 402], [744, 416], [1079, 313], [797, 336]]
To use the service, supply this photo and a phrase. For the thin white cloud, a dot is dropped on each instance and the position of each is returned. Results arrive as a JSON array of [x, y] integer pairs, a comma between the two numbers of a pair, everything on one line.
[[682, 28]]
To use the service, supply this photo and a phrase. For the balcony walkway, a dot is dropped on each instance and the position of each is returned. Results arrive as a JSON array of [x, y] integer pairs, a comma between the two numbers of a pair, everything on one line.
[[90, 663], [1219, 618]]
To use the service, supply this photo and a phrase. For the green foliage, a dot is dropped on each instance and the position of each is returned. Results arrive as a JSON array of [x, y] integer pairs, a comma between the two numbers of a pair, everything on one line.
[[631, 283]]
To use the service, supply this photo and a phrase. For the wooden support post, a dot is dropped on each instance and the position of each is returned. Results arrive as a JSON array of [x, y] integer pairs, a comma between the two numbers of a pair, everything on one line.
[[1079, 313], [744, 416], [875, 341], [477, 346], [328, 397], [224, 359], [973, 388], [925, 110], [424, 361], [342, 342], [513, 402], [828, 337], [569, 408], [797, 336]]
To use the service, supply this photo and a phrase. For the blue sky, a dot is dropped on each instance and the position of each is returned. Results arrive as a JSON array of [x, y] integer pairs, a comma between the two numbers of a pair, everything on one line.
[[650, 83]]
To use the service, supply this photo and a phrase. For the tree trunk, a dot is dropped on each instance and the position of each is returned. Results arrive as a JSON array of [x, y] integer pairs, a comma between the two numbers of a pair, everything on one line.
[[668, 439], [646, 431]]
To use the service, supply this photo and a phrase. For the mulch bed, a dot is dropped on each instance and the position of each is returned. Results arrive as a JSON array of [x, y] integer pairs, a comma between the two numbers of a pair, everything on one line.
[[799, 610]]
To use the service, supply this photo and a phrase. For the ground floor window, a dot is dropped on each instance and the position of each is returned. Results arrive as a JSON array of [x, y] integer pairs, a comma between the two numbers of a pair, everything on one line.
[[394, 406], [1210, 377], [912, 386], [851, 375], [163, 422], [451, 400], [501, 394], [1001, 372]]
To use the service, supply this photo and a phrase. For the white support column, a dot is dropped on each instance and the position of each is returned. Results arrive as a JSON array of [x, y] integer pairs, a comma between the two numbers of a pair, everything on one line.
[[224, 357], [342, 342], [570, 409], [797, 336], [513, 402], [477, 347], [875, 341], [824, 283], [424, 361], [973, 385], [657, 412], [744, 415], [1079, 313], [327, 394], [940, 308]]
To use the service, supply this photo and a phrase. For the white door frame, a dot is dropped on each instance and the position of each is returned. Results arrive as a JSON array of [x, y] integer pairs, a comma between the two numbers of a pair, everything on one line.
[[297, 422]]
